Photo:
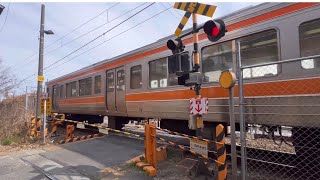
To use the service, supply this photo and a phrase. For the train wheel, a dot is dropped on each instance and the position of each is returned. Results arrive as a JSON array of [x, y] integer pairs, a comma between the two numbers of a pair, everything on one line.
[[307, 146]]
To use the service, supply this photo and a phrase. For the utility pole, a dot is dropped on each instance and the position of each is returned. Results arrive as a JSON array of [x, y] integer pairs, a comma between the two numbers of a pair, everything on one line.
[[40, 69], [40, 66]]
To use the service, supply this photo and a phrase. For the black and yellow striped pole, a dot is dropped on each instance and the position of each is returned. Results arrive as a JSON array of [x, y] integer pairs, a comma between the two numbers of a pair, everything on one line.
[[221, 152], [38, 125], [33, 128]]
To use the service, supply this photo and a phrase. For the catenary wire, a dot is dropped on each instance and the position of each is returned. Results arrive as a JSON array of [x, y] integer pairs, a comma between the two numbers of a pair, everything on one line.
[[84, 23], [86, 33], [112, 37], [176, 11], [92, 40], [170, 12], [99, 36], [81, 25], [102, 42]]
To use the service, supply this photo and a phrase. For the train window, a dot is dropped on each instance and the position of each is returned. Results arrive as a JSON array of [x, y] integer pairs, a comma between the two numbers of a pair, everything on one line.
[[158, 73], [110, 82], [72, 89], [97, 84], [120, 80], [135, 77], [61, 91], [215, 59], [85, 86], [259, 48], [310, 43]]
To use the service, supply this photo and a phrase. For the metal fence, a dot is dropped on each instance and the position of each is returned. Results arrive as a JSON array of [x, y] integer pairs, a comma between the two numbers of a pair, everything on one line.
[[30, 100], [280, 119]]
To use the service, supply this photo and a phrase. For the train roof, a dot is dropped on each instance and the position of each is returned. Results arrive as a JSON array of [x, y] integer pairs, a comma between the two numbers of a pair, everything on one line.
[[233, 17]]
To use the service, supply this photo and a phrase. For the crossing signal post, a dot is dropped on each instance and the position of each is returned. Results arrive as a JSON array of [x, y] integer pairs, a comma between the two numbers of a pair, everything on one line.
[[215, 29]]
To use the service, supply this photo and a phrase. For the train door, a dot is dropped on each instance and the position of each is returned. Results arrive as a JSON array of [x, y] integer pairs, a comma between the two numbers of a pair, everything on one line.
[[54, 97], [111, 94], [120, 90], [116, 91]]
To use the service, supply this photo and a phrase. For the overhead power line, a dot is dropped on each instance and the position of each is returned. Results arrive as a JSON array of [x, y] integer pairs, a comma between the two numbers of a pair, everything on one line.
[[104, 41], [162, 4], [176, 11], [112, 37], [100, 35], [5, 20], [93, 39], [81, 25], [84, 34]]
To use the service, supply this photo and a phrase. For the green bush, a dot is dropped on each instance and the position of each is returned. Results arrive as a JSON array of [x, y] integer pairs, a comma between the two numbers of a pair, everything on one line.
[[6, 141]]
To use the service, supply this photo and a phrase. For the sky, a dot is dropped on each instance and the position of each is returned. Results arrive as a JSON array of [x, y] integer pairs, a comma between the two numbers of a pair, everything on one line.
[[20, 23]]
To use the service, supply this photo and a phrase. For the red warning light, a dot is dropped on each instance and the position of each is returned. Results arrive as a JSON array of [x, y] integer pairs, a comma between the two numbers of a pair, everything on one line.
[[215, 29]]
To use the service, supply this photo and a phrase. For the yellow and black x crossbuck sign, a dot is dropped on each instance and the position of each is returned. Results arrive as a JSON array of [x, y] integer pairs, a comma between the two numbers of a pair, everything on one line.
[[192, 7]]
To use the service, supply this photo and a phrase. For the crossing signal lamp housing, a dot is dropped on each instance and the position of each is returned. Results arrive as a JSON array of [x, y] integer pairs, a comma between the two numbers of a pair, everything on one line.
[[215, 29], [175, 45]]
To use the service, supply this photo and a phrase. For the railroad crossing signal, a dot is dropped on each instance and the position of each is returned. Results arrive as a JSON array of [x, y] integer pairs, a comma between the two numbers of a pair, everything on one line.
[[192, 7], [175, 46], [215, 29]]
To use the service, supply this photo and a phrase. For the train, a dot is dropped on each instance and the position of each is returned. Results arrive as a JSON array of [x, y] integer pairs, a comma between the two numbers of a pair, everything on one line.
[[139, 84]]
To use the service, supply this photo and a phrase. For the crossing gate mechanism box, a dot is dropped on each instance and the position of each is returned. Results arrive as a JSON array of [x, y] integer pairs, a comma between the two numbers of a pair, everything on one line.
[[199, 146]]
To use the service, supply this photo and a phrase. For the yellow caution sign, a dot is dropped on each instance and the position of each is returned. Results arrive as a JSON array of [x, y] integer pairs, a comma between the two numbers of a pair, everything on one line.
[[40, 78], [48, 106], [192, 7], [227, 79]]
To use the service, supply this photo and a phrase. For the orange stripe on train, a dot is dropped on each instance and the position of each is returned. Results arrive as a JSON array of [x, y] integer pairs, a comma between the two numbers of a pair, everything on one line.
[[258, 89], [244, 23], [277, 88], [99, 99]]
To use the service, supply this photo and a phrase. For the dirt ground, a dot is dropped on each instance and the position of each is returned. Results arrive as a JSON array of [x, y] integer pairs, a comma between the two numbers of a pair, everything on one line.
[[7, 149], [169, 169]]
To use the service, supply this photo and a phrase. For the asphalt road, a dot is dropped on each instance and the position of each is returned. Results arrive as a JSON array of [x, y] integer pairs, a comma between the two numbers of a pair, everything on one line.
[[91, 159]]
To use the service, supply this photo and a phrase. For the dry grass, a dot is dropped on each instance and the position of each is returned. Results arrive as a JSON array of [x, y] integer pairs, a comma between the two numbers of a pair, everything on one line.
[[14, 120]]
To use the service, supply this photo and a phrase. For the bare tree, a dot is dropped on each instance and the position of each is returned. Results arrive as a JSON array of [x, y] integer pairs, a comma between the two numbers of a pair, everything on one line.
[[7, 80]]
